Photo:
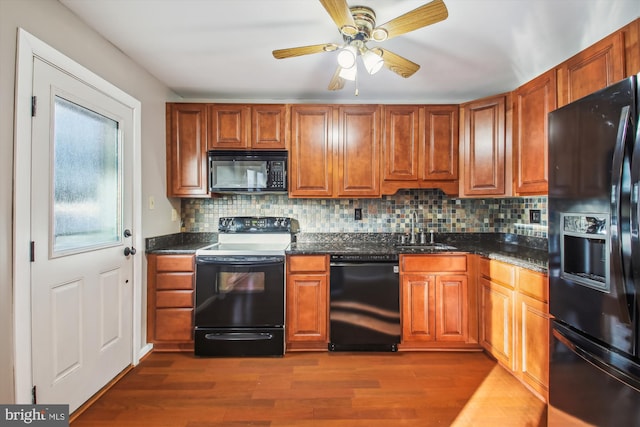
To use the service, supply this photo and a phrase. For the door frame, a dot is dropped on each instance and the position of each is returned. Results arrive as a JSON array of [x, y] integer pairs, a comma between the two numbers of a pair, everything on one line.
[[29, 47]]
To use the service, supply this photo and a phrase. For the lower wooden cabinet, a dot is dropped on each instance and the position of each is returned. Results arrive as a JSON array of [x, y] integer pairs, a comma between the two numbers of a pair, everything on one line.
[[435, 301], [170, 302], [514, 321], [532, 331], [307, 310], [496, 282]]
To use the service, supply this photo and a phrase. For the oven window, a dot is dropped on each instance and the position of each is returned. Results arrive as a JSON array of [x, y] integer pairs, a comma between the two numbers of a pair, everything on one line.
[[241, 282]]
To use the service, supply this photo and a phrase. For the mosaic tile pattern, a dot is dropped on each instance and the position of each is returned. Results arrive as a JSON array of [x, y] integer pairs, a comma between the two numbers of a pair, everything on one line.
[[433, 210]]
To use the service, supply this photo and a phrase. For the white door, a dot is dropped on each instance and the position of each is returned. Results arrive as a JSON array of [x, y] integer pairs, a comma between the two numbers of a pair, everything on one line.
[[81, 220]]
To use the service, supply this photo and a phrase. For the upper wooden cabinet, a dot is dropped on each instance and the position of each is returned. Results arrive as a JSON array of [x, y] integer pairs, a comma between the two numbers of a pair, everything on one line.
[[186, 150], [420, 147], [311, 151], [439, 152], [594, 68], [268, 126], [239, 126], [358, 148], [484, 149], [532, 104], [402, 136], [334, 151]]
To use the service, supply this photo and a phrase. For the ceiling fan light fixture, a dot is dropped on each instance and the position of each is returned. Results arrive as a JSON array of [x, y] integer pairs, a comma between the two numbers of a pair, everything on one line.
[[372, 61], [347, 56], [349, 73], [349, 30], [379, 35]]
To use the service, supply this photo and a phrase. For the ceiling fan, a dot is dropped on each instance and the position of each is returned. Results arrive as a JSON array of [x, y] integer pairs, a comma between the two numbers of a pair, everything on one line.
[[357, 25]]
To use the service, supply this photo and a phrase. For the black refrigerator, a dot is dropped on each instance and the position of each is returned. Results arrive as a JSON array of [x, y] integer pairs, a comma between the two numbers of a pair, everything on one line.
[[594, 259]]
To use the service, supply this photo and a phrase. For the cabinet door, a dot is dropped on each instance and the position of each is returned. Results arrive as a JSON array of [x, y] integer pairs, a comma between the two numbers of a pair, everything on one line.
[[533, 102], [401, 141], [484, 147], [186, 150], [451, 308], [496, 320], [268, 126], [594, 68], [532, 343], [311, 153], [307, 310], [439, 152], [358, 151], [229, 126], [418, 308]]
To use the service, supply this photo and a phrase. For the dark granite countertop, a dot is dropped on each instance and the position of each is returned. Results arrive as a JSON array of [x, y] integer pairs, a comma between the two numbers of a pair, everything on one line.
[[526, 252], [508, 248], [179, 243]]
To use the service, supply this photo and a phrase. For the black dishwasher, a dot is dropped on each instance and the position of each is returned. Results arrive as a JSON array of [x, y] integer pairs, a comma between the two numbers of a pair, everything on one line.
[[364, 303]]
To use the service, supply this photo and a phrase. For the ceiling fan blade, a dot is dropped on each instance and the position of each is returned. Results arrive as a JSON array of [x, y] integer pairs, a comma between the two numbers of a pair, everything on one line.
[[422, 16], [336, 82], [398, 64], [340, 13], [303, 50]]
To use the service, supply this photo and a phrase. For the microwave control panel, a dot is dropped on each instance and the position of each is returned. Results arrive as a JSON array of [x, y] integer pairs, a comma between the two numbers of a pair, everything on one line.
[[277, 174]]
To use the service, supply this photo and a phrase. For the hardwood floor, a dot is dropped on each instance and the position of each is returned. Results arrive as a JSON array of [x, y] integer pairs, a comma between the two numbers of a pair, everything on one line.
[[317, 389]]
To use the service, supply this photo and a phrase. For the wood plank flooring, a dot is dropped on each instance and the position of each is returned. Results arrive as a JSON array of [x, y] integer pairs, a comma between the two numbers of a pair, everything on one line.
[[317, 389]]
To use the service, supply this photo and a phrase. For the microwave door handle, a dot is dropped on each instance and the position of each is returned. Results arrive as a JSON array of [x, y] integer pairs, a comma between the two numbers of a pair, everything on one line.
[[620, 262]]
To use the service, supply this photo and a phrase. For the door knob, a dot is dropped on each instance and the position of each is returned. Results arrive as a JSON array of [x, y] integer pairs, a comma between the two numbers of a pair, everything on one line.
[[129, 251], [127, 233]]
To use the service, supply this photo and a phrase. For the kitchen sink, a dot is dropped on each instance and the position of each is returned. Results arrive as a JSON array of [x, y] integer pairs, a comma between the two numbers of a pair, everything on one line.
[[427, 247]]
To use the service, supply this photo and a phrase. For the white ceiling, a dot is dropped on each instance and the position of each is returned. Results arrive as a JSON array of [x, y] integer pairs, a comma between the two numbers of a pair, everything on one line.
[[221, 49]]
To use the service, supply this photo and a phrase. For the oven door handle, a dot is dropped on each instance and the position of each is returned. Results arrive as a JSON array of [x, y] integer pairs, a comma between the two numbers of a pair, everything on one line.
[[239, 336]]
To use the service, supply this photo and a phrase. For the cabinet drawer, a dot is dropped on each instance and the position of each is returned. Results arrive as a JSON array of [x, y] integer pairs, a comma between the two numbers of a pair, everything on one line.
[[308, 263], [174, 281], [174, 263], [498, 271], [176, 299], [174, 324], [433, 263], [533, 284]]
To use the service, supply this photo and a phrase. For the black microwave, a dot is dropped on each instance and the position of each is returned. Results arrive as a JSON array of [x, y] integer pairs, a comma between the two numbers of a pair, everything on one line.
[[237, 171]]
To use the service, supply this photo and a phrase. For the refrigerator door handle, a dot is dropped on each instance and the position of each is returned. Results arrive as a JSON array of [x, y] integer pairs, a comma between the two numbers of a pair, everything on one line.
[[635, 210], [619, 251]]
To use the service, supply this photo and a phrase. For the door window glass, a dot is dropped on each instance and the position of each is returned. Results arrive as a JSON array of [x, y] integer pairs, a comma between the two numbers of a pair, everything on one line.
[[87, 211]]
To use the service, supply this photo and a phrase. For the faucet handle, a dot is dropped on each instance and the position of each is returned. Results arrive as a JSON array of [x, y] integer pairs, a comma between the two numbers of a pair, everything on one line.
[[431, 237]]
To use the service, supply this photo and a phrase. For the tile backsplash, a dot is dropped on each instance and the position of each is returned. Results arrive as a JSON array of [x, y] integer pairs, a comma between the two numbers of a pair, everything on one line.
[[433, 209]]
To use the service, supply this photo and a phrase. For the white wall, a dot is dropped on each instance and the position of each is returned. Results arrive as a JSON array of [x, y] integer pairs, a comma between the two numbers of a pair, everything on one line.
[[55, 25]]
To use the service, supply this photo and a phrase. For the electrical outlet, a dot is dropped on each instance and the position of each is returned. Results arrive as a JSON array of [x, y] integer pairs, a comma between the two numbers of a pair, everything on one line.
[[358, 214], [534, 216], [152, 202], [174, 215]]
